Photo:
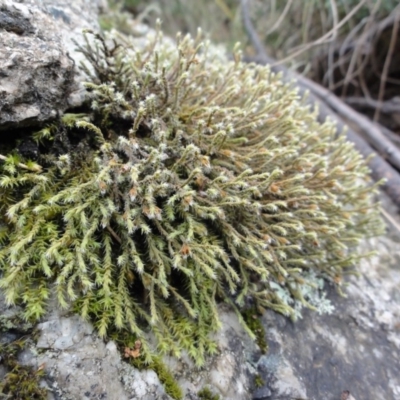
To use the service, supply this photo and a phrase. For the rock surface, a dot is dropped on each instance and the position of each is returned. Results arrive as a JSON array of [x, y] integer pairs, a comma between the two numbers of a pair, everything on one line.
[[38, 74]]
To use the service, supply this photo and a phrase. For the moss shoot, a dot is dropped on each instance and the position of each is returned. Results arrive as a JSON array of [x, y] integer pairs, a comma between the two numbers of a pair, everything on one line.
[[187, 180], [207, 394], [252, 318], [258, 381]]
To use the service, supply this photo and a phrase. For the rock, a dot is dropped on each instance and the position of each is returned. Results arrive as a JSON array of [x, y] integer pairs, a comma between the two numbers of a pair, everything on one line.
[[39, 77], [80, 365], [142, 384]]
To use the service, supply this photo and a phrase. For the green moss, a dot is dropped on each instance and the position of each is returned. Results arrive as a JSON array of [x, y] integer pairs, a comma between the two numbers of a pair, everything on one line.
[[16, 322], [167, 379], [207, 394], [258, 381], [187, 180], [170, 384], [251, 317], [105, 23], [20, 382], [126, 340]]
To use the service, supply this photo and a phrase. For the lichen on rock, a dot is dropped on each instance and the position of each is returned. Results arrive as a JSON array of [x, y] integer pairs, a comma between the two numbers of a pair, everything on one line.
[[186, 181]]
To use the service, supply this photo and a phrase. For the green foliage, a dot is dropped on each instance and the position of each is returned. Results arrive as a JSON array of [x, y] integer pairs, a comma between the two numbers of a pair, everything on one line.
[[15, 322], [258, 381], [207, 394], [190, 180], [20, 382], [252, 319], [170, 384]]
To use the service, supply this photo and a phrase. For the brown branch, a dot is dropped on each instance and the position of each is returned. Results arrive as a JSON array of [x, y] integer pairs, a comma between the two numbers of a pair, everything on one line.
[[387, 107], [114, 234], [374, 30], [253, 35], [395, 138], [369, 129]]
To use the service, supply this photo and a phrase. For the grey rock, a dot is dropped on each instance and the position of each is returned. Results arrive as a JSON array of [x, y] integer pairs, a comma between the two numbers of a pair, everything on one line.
[[11, 20], [230, 373], [141, 384], [39, 77], [262, 393], [63, 333], [80, 365]]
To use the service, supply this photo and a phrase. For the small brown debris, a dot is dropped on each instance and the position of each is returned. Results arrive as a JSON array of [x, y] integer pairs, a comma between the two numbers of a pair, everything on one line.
[[135, 352]]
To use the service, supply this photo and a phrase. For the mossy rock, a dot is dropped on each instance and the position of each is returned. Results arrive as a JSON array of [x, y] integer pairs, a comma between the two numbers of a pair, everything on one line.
[[21, 382], [207, 394], [187, 180]]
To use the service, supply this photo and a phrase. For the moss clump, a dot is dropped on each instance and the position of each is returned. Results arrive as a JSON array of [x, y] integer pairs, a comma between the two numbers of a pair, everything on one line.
[[258, 381], [188, 180], [20, 382], [127, 343], [207, 394], [252, 319], [15, 322], [171, 386]]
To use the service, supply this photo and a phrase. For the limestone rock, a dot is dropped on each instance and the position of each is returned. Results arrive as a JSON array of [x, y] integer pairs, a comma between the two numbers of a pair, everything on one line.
[[39, 77], [80, 365]]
